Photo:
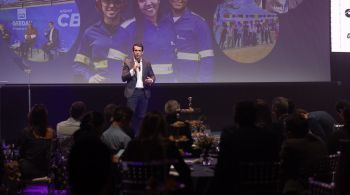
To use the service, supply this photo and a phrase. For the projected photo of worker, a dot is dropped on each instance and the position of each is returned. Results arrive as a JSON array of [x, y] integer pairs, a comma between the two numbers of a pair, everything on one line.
[[245, 32], [92, 61], [186, 41], [38, 38]]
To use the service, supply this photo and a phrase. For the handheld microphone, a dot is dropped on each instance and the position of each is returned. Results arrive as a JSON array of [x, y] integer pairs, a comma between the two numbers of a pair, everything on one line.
[[139, 61]]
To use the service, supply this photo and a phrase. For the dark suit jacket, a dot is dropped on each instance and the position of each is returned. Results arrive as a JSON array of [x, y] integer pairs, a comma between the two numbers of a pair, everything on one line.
[[54, 37], [147, 71]]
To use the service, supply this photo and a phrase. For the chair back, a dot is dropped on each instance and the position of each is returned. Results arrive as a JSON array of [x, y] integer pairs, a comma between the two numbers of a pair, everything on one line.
[[259, 178], [321, 188], [326, 168], [147, 178], [56, 177]]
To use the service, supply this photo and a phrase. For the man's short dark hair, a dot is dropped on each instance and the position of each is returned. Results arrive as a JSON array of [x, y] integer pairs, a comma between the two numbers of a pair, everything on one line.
[[341, 105], [297, 124], [77, 110], [122, 113], [137, 45], [51, 23], [245, 113], [280, 105], [108, 112]]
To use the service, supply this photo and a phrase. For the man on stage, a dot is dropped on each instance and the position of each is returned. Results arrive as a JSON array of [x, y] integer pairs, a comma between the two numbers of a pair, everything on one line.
[[52, 40], [139, 77]]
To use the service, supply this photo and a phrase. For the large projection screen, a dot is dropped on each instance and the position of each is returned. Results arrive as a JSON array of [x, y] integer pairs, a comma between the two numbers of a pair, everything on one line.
[[213, 41]]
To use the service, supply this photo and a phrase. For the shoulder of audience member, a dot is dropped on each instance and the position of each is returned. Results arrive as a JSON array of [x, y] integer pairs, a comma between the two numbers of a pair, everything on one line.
[[228, 132]]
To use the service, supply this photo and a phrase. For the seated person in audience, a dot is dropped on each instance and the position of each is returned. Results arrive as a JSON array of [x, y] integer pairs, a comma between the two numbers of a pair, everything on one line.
[[29, 40], [340, 106], [115, 137], [5, 34], [179, 131], [320, 123], [90, 168], [68, 127], [153, 144], [35, 144], [65, 129], [325, 120], [243, 142], [263, 114], [91, 127], [281, 107], [300, 155], [52, 40], [108, 114], [264, 121], [334, 143]]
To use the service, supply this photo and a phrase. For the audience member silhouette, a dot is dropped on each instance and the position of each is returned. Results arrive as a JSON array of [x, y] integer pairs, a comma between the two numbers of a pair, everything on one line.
[[300, 154], [244, 142], [340, 106], [153, 144], [68, 127], [280, 110], [90, 168], [320, 123], [108, 113], [115, 137], [91, 127], [35, 144], [264, 121], [263, 114]]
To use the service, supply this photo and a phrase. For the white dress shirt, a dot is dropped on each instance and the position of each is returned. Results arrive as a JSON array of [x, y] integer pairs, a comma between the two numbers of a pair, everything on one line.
[[139, 82], [51, 34], [67, 127]]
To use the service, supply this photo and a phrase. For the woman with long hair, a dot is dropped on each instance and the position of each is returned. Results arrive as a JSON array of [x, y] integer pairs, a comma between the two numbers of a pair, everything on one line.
[[29, 40], [35, 144], [91, 63], [155, 31]]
